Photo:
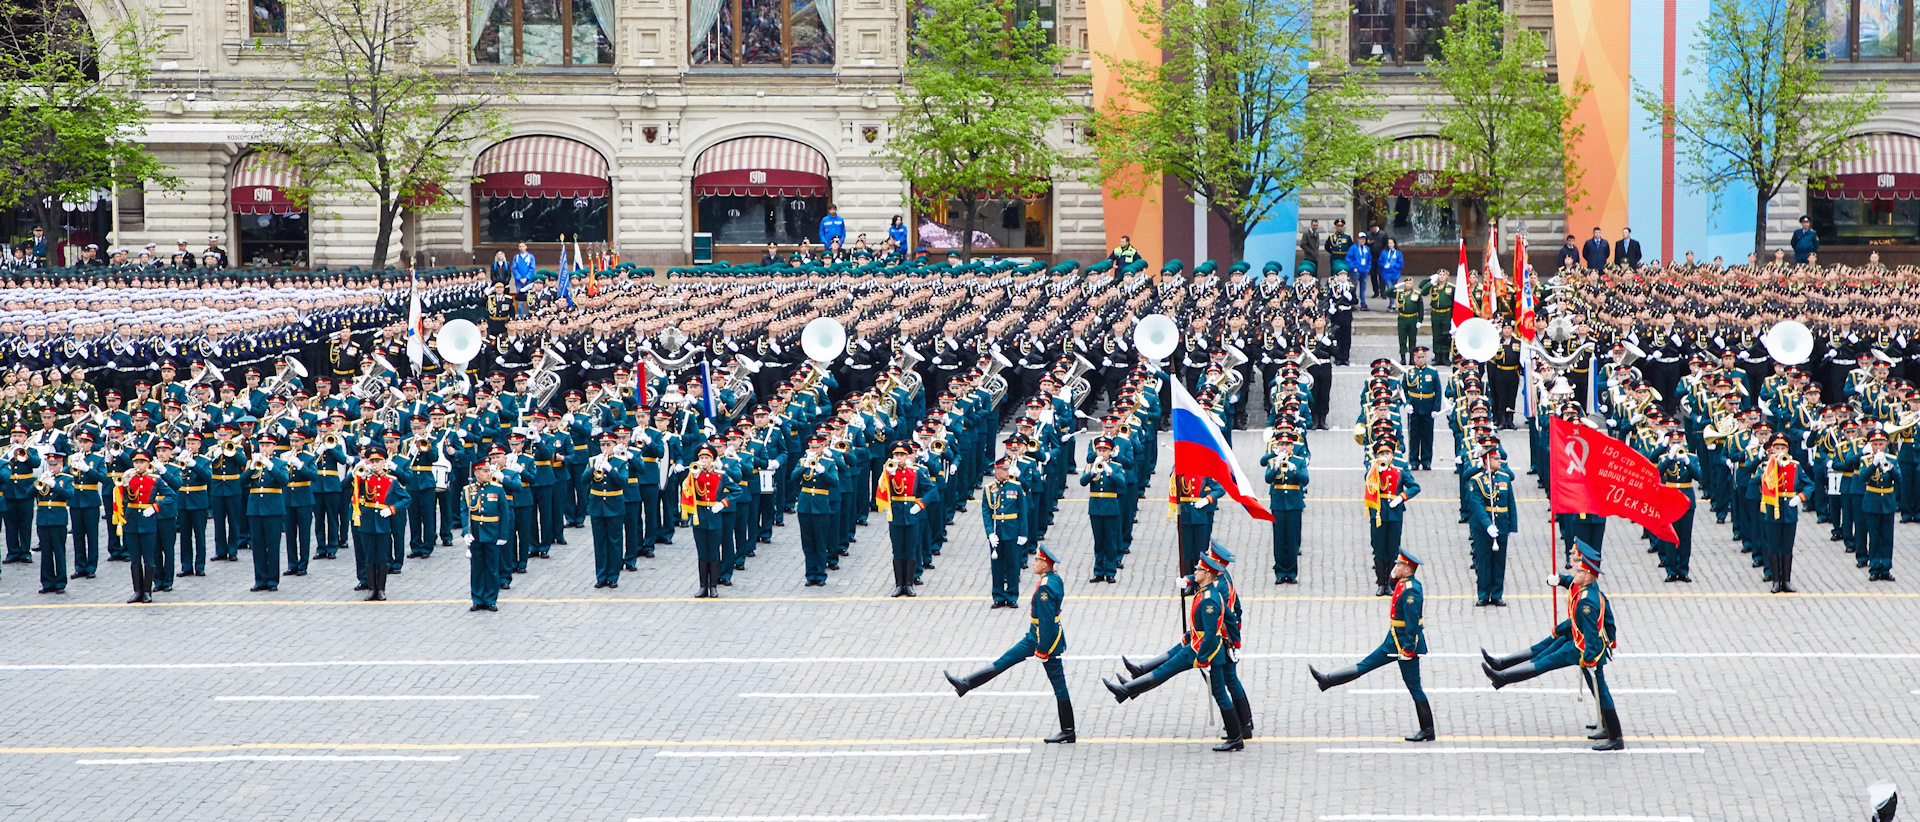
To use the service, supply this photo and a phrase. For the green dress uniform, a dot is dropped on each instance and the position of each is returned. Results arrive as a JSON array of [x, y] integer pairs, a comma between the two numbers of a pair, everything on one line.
[[1106, 483], [1587, 638], [1679, 469], [1880, 478], [266, 520], [607, 479], [1440, 299], [1406, 641], [1003, 515], [50, 498], [1045, 641], [1408, 304], [1422, 390], [485, 515], [1194, 500], [1491, 519], [817, 478], [1287, 496]]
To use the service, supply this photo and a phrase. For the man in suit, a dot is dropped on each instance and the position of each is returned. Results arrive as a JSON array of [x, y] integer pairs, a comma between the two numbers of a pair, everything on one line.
[[1594, 253], [1627, 251], [1310, 241]]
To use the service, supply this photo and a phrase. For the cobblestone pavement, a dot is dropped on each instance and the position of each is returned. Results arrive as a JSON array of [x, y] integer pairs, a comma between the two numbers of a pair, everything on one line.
[[785, 701]]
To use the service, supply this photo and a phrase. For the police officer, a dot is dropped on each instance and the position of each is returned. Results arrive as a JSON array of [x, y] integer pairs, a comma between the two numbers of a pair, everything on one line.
[[1406, 641], [1044, 640]]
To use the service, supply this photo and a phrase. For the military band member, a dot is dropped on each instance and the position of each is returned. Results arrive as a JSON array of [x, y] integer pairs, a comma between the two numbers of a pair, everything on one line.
[[83, 508], [484, 513], [1589, 643], [266, 483], [1389, 484], [1679, 469], [815, 474], [1880, 479], [1492, 516], [137, 496], [1106, 479], [1783, 489], [1192, 500], [52, 490], [1045, 640], [1406, 641], [1003, 513], [375, 493], [702, 500], [606, 481], [23, 462], [1287, 479], [1421, 388]]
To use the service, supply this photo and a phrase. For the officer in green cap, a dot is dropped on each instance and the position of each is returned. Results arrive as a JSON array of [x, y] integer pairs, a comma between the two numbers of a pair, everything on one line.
[[1045, 640]]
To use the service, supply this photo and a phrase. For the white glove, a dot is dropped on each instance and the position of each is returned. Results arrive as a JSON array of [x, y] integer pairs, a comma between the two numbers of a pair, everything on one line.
[[773, 465], [501, 543], [365, 441], [1793, 502], [993, 540], [147, 513], [386, 512], [1553, 580], [1395, 502], [1493, 531], [1202, 502], [1180, 583], [469, 553], [466, 540], [916, 509], [1020, 541], [1434, 414], [720, 506]]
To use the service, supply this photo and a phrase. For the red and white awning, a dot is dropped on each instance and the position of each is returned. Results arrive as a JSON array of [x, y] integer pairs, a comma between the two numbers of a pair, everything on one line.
[[1886, 167], [541, 167], [760, 167], [259, 185], [1428, 160]]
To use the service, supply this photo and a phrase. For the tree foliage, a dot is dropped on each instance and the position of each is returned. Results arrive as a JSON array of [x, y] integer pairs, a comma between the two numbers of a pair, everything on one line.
[[1509, 123], [380, 105], [1767, 117], [981, 95], [73, 121], [1244, 108]]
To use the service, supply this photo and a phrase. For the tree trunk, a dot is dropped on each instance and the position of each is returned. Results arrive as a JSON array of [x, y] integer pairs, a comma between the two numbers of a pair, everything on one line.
[[966, 239], [1760, 226], [384, 235], [1236, 239]]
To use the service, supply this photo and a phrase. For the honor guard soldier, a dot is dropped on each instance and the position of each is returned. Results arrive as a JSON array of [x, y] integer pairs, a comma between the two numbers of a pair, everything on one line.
[[1408, 306], [1679, 469], [1880, 478], [1003, 506], [1388, 487], [1208, 643], [1192, 499], [1406, 641], [1588, 642], [702, 499], [607, 480], [484, 513], [1491, 517], [1422, 390], [1106, 480], [1045, 640], [1783, 489], [52, 490], [816, 475], [1287, 497]]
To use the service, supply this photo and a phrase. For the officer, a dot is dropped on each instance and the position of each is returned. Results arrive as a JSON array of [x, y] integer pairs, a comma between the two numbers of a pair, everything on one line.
[[1106, 479], [1422, 390], [1439, 295], [607, 480], [1880, 478], [1192, 500], [1287, 497], [266, 483], [1045, 640], [1491, 517], [1003, 507], [1590, 631], [1208, 643], [1406, 641], [1679, 469], [702, 500], [816, 475], [1389, 485], [484, 513], [52, 490]]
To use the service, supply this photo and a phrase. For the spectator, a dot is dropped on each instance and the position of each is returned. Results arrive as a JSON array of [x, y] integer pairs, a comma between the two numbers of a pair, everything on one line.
[[1391, 263], [897, 232], [502, 271], [832, 228], [1594, 253], [1569, 254], [1806, 241], [1627, 251], [772, 257]]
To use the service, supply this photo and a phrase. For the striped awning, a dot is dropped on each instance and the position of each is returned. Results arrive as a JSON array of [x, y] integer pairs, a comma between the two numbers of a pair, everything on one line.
[[1426, 159], [760, 167], [260, 182], [1883, 167], [541, 167]]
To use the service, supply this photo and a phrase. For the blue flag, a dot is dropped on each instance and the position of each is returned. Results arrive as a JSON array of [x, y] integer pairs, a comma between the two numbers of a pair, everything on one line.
[[566, 278], [706, 390]]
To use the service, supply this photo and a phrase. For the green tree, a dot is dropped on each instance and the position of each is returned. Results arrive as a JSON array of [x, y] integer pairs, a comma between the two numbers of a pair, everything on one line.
[[73, 123], [378, 104], [1508, 121], [1244, 108], [1766, 116], [981, 94]]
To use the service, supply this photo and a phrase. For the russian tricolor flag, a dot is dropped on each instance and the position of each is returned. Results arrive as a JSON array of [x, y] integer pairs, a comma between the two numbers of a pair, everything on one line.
[[1200, 451]]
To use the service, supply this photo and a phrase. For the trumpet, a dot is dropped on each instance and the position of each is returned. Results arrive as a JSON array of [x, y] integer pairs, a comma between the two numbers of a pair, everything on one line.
[[331, 440], [230, 449], [17, 453], [362, 470]]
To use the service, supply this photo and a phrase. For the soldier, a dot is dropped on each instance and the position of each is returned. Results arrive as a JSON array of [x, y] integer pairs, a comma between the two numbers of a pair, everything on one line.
[[1422, 391], [1408, 307], [1880, 478], [899, 495], [52, 490], [1003, 507], [227, 501], [485, 518], [83, 508], [702, 499], [1192, 499], [1209, 644], [1589, 631], [1287, 496], [1406, 641], [1044, 640], [266, 483], [815, 474], [23, 463], [1388, 487], [607, 479], [1783, 489], [1679, 469], [1439, 296], [646, 447], [1106, 479], [374, 493], [137, 496], [191, 521], [1492, 516]]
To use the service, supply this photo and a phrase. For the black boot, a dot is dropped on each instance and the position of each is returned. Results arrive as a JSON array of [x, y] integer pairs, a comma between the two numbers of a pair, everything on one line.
[[1518, 673], [1138, 669], [1123, 691], [1501, 663], [1610, 719], [1340, 677], [1245, 712], [1065, 736], [1425, 711], [971, 681], [1231, 719]]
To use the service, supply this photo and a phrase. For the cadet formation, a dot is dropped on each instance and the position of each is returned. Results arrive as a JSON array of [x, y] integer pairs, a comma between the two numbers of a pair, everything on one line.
[[292, 416]]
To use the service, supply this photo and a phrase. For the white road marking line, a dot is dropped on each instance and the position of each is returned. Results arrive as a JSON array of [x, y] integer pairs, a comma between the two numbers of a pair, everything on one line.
[[1407, 817], [387, 698], [900, 695], [1489, 690], [904, 817], [838, 754], [288, 758], [1503, 751], [828, 660]]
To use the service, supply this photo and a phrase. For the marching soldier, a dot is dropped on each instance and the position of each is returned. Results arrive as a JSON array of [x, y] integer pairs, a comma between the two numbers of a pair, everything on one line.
[[1044, 640], [1589, 630], [1406, 641], [1208, 644]]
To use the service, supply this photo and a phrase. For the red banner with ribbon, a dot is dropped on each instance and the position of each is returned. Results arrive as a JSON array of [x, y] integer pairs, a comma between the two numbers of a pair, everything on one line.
[[1597, 474]]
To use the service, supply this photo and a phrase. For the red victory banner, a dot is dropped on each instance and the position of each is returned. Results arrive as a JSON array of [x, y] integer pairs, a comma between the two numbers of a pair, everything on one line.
[[1597, 474]]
